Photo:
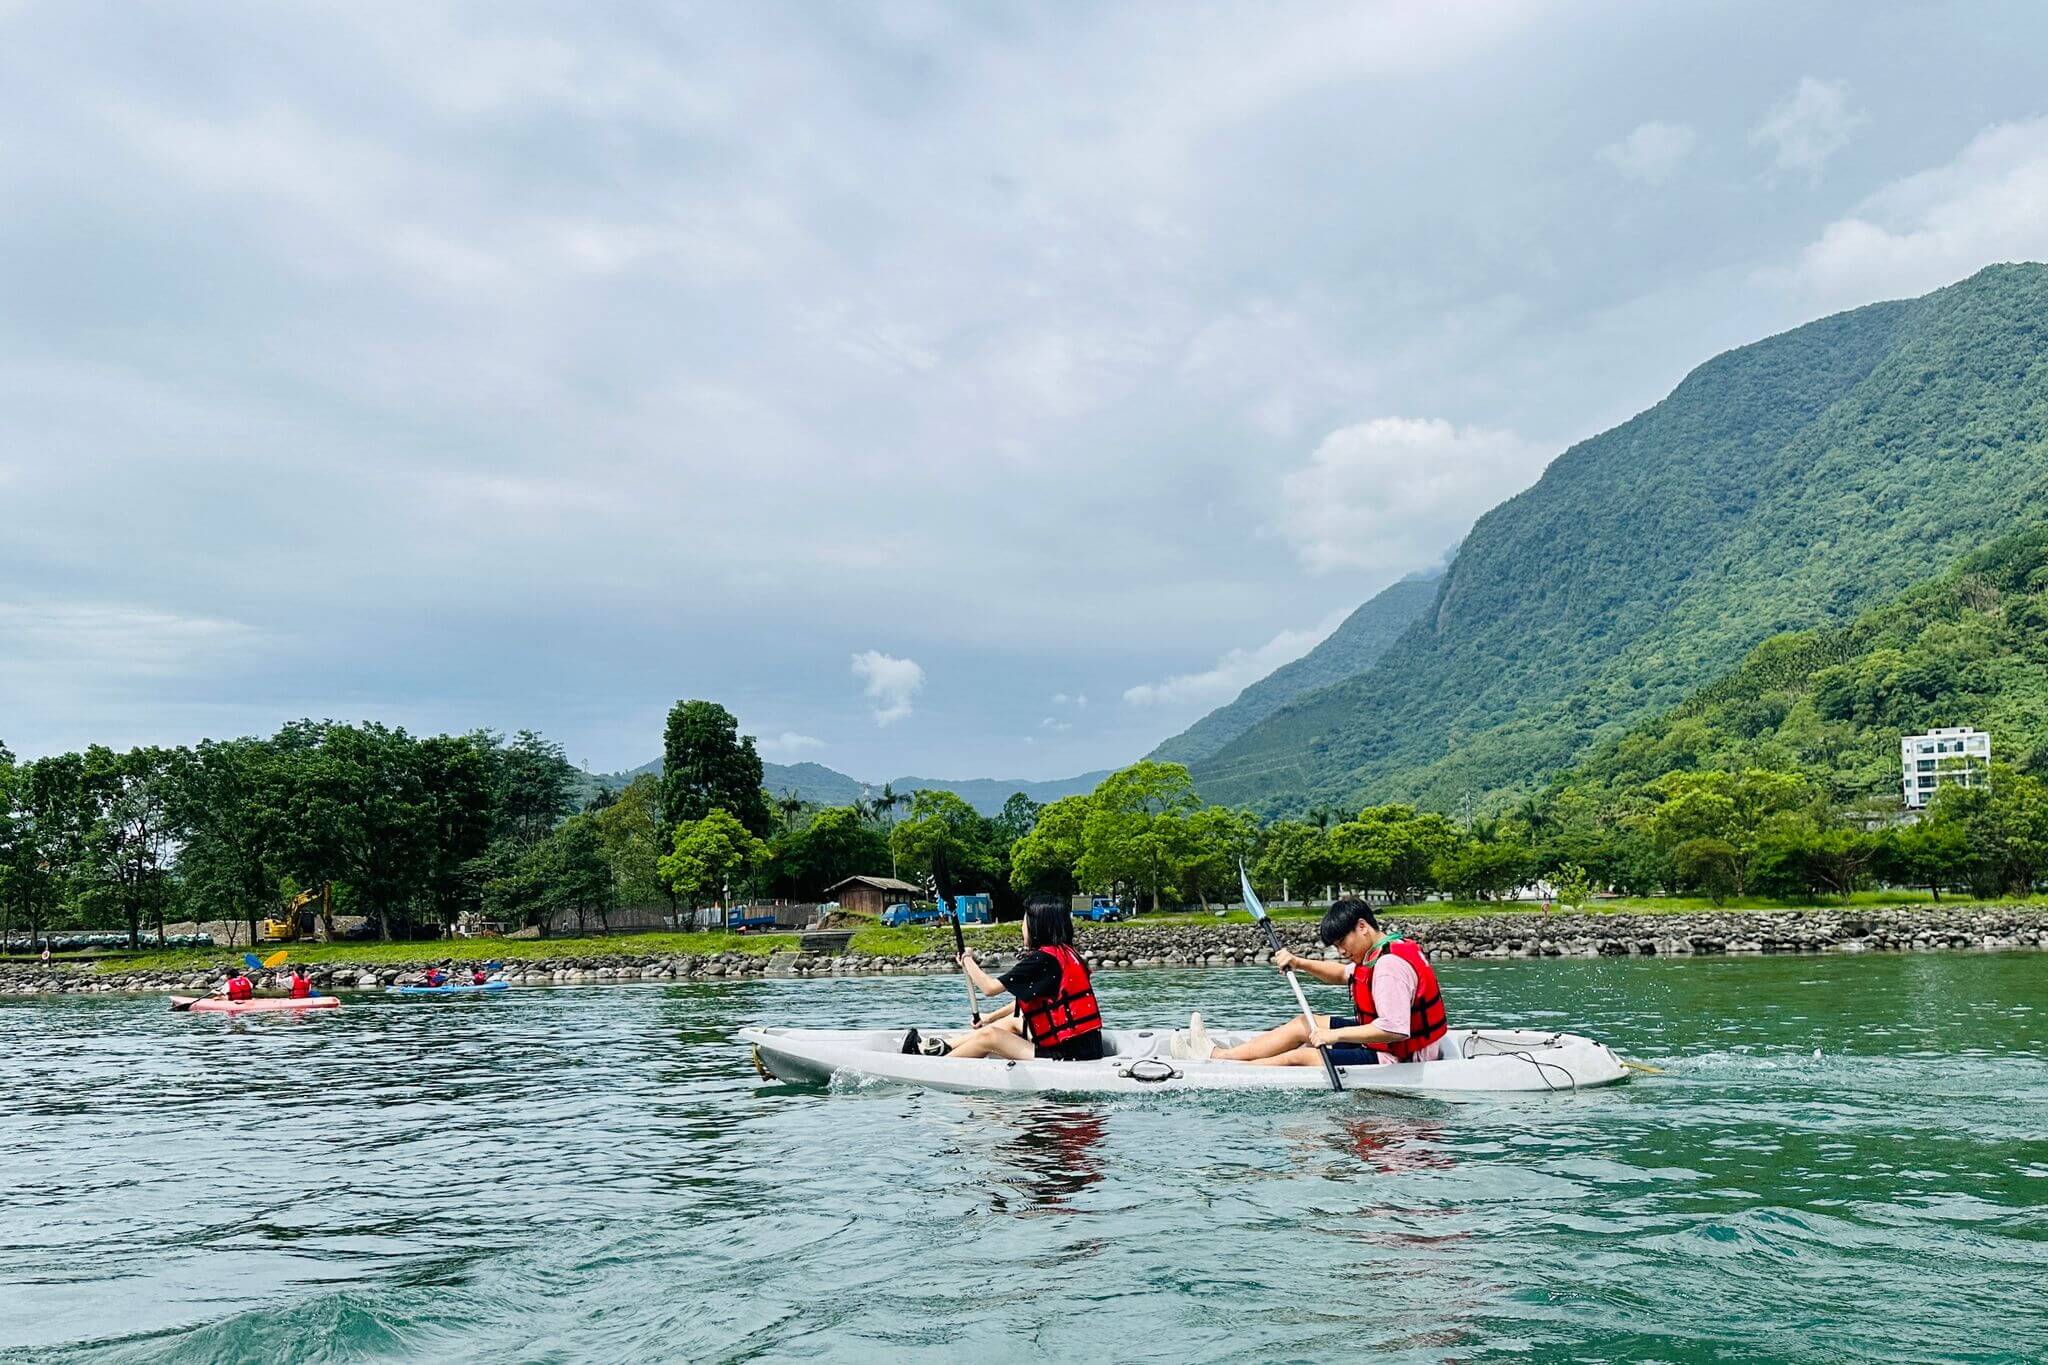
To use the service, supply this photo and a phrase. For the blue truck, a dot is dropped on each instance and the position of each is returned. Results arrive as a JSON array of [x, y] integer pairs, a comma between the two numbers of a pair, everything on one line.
[[903, 914], [976, 909], [1103, 908], [738, 920]]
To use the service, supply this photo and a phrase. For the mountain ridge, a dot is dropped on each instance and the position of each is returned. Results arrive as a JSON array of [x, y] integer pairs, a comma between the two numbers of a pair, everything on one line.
[[814, 782], [1351, 648], [1782, 485]]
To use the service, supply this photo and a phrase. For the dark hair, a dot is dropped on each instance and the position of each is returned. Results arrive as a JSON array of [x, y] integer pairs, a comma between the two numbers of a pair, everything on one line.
[[1049, 926], [1342, 917]]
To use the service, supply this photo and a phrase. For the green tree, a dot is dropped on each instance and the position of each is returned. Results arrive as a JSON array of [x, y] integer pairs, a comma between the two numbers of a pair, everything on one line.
[[707, 764], [707, 855], [1393, 849], [1019, 816], [1294, 859], [1219, 838], [132, 839], [835, 845], [630, 832], [942, 826], [1043, 862], [1137, 832], [456, 775], [1573, 887], [1482, 871], [1710, 865], [535, 785]]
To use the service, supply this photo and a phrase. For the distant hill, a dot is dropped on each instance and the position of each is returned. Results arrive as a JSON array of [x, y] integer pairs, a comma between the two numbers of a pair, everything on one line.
[[1786, 485], [1352, 648], [1968, 648], [828, 787]]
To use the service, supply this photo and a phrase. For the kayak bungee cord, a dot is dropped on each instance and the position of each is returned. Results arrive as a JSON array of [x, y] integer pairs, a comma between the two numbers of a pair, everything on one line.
[[1507, 1048]]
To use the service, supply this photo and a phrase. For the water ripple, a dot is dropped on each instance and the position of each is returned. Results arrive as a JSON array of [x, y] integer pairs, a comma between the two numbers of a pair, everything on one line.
[[595, 1175]]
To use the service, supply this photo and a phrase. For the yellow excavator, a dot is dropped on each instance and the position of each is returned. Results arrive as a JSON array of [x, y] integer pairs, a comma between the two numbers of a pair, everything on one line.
[[298, 918]]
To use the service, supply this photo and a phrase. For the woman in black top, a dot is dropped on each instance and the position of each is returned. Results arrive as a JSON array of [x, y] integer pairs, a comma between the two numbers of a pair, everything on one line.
[[1052, 1011]]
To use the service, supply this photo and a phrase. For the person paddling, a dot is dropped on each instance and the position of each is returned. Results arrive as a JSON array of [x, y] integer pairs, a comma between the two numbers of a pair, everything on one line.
[[479, 977], [436, 977], [1052, 1013], [302, 986], [1399, 1009], [238, 986]]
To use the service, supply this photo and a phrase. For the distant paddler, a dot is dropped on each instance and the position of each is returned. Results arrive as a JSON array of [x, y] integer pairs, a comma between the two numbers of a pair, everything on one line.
[[1398, 1011], [1052, 1012]]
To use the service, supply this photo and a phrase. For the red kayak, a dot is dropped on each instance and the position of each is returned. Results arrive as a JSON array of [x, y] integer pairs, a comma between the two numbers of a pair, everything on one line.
[[214, 1004]]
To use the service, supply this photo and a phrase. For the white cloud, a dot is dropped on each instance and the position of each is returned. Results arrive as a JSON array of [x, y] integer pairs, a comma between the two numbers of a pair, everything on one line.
[[890, 683], [1063, 699], [788, 744], [1808, 126], [1054, 724], [1990, 204], [1236, 670], [1652, 152], [71, 644], [1390, 493]]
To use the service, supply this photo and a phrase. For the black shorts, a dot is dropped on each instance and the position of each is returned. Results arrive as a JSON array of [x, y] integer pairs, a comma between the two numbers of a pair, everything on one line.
[[1086, 1048], [1352, 1054]]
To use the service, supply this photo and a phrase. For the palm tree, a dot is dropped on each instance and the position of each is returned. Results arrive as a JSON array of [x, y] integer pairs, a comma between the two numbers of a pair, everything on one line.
[[1533, 815], [789, 805], [889, 800]]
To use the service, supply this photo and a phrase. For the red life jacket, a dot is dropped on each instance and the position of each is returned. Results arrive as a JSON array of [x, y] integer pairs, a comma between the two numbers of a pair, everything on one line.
[[1070, 1012], [1426, 1019], [239, 988], [302, 989], [435, 976], [478, 978]]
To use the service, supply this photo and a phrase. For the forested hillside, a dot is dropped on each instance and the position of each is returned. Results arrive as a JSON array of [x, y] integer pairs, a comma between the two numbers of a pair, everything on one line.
[[1352, 648], [823, 786], [1783, 486], [1969, 648]]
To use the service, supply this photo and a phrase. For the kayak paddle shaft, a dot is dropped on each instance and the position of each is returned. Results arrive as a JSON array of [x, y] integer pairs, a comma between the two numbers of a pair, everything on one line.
[[1251, 903], [960, 950]]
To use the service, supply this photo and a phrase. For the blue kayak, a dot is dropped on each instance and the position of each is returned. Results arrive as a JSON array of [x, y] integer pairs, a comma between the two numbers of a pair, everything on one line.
[[489, 987]]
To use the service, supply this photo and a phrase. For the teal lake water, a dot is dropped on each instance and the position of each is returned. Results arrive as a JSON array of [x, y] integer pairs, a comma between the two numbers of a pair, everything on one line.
[[599, 1175]]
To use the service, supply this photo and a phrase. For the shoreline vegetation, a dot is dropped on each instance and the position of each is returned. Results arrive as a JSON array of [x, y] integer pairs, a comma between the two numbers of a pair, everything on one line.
[[1448, 932]]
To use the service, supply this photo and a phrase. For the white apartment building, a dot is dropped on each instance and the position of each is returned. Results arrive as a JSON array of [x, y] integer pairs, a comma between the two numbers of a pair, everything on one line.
[[1928, 762]]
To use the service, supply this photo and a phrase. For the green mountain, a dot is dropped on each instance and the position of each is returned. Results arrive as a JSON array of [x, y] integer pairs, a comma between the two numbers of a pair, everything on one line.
[[1782, 486], [1351, 648], [828, 787], [1968, 648]]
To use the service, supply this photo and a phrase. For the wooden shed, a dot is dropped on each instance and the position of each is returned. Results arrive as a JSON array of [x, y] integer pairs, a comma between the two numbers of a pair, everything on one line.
[[872, 895]]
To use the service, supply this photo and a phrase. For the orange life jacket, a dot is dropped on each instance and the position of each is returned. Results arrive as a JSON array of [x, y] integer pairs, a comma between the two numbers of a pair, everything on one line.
[[1070, 1012], [1426, 1019]]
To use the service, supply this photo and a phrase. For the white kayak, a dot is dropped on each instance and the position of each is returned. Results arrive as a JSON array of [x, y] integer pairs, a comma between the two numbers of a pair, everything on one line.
[[1141, 1060]]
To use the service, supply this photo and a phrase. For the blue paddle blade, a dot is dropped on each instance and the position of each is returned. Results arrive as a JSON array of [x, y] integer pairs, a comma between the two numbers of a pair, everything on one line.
[[255, 962], [1251, 897]]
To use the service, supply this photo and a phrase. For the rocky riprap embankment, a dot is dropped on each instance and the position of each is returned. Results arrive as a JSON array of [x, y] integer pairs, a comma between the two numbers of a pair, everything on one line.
[[1206, 943]]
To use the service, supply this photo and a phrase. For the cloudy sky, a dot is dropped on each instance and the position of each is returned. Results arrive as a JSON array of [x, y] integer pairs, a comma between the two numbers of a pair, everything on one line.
[[950, 389]]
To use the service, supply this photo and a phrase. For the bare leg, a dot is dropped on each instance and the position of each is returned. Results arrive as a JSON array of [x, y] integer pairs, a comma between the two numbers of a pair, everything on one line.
[[1273, 1042], [993, 1040], [1301, 1056]]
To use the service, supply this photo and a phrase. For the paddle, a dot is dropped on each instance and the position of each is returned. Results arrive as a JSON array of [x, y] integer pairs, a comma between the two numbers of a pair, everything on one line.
[[276, 959], [255, 964], [942, 886], [1251, 903]]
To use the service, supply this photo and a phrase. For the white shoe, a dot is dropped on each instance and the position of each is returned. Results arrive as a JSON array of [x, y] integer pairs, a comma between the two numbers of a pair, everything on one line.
[[1200, 1049]]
